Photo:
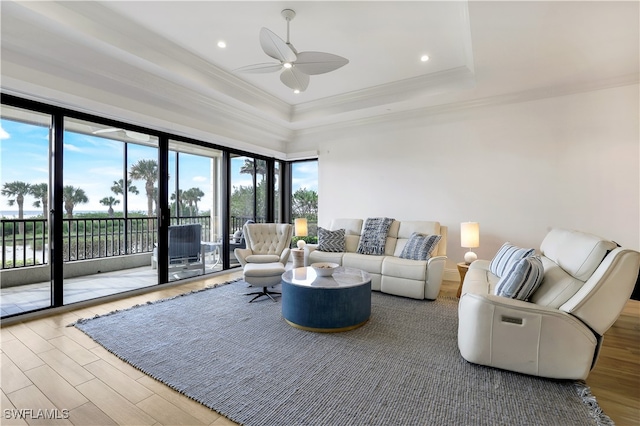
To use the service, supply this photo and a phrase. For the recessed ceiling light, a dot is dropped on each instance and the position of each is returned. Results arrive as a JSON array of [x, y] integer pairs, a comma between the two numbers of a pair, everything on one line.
[[296, 91], [424, 58], [222, 44]]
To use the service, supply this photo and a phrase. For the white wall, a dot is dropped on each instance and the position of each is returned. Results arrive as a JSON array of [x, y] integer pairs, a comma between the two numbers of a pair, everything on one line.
[[518, 169]]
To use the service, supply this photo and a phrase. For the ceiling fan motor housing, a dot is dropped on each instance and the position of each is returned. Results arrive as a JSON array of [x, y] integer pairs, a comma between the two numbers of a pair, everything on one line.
[[288, 14]]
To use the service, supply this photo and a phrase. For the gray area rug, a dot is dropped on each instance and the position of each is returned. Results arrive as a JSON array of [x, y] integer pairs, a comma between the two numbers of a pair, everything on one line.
[[401, 368]]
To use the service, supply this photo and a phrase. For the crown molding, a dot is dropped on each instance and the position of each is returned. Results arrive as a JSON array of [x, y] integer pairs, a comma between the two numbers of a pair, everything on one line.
[[417, 115], [409, 89], [99, 28]]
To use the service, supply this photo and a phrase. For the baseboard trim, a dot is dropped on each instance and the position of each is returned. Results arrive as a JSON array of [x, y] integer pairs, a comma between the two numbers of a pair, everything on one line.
[[451, 275]]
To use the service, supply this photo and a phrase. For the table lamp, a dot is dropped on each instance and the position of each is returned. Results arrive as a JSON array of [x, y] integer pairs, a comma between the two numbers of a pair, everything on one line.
[[470, 238], [300, 230]]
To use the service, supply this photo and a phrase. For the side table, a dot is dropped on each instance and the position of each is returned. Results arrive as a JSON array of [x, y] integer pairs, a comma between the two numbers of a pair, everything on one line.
[[298, 257], [462, 270]]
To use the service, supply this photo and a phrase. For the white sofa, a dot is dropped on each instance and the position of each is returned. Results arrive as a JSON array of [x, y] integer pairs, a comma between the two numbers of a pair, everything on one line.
[[557, 333], [418, 279]]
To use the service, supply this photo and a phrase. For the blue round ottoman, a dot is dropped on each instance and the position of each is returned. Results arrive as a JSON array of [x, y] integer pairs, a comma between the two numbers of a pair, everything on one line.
[[340, 302]]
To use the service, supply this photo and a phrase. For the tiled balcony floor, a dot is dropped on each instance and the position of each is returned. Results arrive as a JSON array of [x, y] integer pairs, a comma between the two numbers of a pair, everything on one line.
[[25, 298]]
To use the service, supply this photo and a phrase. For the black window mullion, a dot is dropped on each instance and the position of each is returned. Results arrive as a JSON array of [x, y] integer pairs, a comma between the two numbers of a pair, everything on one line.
[[163, 212], [56, 214]]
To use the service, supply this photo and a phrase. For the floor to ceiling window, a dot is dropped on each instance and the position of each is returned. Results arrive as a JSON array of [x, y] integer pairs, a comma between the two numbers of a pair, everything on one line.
[[109, 193], [278, 214], [248, 197], [195, 182], [304, 195], [93, 207], [25, 275]]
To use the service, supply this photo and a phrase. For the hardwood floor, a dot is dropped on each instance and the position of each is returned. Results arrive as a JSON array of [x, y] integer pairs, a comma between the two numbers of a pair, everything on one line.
[[47, 365]]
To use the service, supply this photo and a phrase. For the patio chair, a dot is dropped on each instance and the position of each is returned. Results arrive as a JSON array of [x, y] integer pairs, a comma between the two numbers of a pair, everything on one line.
[[185, 248]]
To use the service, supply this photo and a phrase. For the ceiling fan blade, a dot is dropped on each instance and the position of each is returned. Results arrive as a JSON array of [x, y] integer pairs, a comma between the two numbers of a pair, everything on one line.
[[137, 136], [294, 79], [260, 68], [110, 130], [275, 47], [313, 63]]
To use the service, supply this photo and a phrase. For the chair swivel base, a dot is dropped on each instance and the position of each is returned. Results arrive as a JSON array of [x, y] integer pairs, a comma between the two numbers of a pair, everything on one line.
[[263, 275], [264, 292]]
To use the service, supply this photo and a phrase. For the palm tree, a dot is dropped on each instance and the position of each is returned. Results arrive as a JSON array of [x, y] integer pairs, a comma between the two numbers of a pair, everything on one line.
[[18, 190], [260, 167], [191, 197], [109, 201], [178, 201], [73, 196], [118, 187], [146, 170], [41, 192]]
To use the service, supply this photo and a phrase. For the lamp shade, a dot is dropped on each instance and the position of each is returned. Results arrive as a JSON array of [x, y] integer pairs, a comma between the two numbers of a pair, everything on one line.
[[470, 234], [300, 225]]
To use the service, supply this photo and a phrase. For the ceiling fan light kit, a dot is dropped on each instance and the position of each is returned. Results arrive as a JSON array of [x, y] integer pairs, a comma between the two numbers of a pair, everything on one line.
[[296, 66]]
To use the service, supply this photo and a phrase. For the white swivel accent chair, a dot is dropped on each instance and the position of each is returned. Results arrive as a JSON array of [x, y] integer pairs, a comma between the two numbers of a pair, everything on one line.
[[263, 260]]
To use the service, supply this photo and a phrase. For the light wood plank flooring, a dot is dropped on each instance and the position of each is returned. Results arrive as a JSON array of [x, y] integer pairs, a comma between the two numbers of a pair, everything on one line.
[[46, 365]]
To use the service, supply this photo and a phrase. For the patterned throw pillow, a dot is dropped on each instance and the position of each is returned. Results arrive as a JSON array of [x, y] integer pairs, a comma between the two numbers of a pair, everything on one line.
[[521, 278], [332, 241], [374, 236], [508, 253], [420, 246]]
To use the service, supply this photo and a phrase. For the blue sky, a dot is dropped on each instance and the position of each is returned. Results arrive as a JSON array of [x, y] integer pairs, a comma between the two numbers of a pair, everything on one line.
[[93, 163]]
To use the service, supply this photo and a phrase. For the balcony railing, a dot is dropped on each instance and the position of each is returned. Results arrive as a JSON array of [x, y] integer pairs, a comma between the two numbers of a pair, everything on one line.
[[25, 241]]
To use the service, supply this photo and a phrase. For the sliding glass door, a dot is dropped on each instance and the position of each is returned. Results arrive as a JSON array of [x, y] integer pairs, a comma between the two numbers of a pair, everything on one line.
[[109, 196], [195, 182], [25, 150], [248, 197]]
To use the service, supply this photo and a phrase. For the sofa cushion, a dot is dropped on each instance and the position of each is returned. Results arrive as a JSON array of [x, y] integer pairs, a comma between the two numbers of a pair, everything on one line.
[[419, 246], [331, 241], [324, 256], [353, 228], [557, 286], [508, 253], [404, 268], [578, 253], [407, 227], [368, 263], [521, 278], [374, 236], [478, 279]]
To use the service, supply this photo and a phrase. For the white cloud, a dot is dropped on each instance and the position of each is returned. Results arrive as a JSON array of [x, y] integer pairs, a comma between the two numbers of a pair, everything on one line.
[[4, 134], [72, 147]]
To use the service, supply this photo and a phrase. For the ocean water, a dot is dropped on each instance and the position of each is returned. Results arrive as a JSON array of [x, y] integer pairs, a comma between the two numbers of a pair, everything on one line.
[[13, 214]]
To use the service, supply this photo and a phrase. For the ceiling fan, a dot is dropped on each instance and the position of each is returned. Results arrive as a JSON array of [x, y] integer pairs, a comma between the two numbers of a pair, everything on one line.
[[129, 133], [296, 66]]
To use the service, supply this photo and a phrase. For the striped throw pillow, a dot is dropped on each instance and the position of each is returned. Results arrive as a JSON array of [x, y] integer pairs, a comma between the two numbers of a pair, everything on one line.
[[420, 246], [331, 241], [507, 254], [521, 279], [374, 236]]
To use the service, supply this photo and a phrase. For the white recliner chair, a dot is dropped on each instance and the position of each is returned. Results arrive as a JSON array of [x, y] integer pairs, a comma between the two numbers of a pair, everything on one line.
[[263, 260], [558, 331]]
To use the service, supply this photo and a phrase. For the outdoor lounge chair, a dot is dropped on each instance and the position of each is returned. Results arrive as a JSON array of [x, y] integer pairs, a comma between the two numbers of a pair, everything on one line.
[[185, 248]]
